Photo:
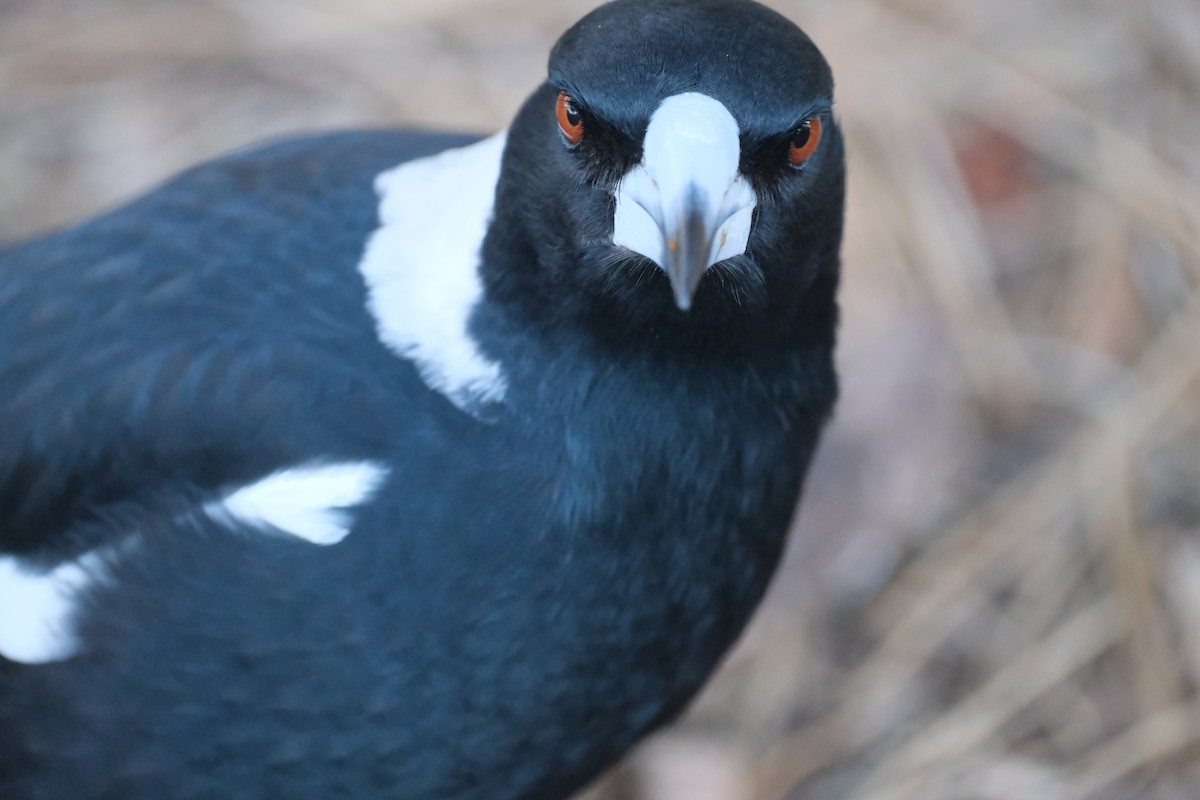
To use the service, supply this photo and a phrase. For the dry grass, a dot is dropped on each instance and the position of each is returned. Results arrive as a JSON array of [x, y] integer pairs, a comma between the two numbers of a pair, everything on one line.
[[994, 591]]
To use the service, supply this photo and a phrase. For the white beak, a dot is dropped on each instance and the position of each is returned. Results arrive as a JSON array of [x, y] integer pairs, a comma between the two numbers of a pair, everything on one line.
[[685, 207]]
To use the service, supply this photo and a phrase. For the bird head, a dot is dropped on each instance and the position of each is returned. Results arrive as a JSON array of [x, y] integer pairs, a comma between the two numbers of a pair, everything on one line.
[[680, 168]]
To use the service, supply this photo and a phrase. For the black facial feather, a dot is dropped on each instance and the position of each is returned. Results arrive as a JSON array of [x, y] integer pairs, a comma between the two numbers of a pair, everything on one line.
[[619, 63], [606, 152]]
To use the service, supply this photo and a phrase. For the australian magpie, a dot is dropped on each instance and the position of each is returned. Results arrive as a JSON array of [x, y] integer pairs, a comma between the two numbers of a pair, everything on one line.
[[394, 464]]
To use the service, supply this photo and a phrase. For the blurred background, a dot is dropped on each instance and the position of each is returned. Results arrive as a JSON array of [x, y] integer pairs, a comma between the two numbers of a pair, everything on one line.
[[993, 588]]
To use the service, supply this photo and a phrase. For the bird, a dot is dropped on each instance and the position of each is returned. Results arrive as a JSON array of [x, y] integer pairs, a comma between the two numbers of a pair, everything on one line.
[[422, 465]]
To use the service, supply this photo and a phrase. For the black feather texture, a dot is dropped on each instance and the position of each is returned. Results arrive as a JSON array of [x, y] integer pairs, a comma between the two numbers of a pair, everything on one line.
[[531, 590]]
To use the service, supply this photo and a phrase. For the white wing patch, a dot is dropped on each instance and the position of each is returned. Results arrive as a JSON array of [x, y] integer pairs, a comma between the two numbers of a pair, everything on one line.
[[37, 608], [421, 267], [310, 502]]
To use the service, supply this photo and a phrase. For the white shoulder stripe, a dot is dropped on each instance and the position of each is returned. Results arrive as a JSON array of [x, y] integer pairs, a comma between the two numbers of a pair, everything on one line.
[[37, 608], [421, 266], [310, 502]]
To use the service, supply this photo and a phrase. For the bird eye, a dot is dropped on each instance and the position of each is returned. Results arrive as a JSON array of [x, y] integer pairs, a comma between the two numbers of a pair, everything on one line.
[[804, 141], [570, 121]]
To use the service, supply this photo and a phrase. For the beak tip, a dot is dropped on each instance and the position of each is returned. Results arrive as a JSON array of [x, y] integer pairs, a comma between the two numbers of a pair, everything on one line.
[[684, 278], [684, 293]]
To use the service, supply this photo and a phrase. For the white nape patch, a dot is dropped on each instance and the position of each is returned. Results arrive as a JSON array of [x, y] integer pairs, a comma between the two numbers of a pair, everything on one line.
[[310, 502], [37, 607], [691, 149], [421, 266]]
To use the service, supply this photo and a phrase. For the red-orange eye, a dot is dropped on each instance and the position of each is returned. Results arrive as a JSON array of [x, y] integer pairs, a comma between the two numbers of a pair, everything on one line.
[[570, 121], [804, 141]]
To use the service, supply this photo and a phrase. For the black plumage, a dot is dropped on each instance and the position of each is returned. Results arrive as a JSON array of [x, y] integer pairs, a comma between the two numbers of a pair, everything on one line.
[[543, 576]]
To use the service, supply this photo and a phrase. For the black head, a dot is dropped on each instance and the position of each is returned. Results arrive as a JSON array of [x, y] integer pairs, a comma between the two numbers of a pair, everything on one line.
[[680, 174]]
